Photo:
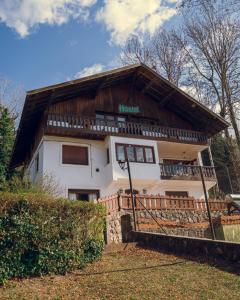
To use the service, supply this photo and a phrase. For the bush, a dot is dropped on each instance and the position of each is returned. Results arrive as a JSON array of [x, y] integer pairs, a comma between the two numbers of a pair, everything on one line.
[[41, 235]]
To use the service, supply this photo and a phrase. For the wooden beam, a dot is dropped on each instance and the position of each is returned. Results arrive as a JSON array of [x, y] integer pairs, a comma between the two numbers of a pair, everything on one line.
[[146, 87], [166, 98]]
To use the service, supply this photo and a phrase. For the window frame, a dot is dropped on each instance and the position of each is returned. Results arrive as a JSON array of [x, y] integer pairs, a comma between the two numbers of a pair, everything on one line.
[[75, 164], [84, 191], [177, 192], [135, 154]]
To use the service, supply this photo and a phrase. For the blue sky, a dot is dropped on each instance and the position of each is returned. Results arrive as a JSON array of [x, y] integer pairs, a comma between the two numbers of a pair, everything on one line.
[[49, 41]]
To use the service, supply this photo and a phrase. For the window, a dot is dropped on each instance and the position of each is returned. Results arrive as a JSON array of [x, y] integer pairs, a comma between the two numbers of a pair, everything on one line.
[[139, 154], [83, 195], [149, 154], [37, 163], [101, 116], [120, 152], [135, 153], [176, 194], [130, 153], [74, 155], [121, 119]]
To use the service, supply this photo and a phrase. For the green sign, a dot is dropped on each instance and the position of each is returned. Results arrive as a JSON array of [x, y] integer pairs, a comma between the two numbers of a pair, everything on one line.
[[128, 109]]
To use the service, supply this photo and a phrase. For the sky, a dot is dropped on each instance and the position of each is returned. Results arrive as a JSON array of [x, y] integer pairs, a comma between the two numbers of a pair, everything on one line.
[[43, 42]]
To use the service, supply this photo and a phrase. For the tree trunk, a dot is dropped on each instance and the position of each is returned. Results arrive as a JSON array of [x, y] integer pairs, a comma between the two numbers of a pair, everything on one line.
[[235, 159], [234, 124]]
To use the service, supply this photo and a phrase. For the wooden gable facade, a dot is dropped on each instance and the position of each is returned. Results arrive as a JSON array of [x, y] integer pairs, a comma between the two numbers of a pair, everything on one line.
[[109, 99], [160, 111]]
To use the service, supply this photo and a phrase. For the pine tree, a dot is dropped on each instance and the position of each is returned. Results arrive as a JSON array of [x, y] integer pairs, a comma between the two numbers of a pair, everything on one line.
[[6, 142]]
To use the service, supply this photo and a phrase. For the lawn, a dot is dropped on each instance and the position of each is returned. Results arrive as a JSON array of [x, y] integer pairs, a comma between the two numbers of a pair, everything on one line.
[[132, 274]]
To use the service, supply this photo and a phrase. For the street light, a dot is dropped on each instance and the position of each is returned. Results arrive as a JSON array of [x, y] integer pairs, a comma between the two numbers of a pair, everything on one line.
[[124, 165]]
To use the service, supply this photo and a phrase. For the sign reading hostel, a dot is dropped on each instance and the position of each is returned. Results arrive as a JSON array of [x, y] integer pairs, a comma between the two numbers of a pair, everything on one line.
[[128, 109]]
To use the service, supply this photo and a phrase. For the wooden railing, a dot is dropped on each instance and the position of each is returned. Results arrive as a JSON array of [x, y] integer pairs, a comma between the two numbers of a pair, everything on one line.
[[175, 171], [125, 128], [158, 202]]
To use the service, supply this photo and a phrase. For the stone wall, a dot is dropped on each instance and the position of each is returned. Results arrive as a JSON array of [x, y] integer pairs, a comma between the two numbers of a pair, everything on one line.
[[181, 216], [119, 227], [188, 246], [173, 222]]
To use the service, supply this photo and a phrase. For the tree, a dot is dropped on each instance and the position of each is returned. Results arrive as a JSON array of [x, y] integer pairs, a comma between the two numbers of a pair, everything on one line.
[[11, 100], [12, 97], [162, 53], [212, 43], [225, 168], [7, 136]]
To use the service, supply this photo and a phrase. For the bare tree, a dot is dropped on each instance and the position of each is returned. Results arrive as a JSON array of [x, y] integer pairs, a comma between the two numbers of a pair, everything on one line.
[[12, 97], [213, 47], [162, 52], [229, 5], [169, 56], [137, 51]]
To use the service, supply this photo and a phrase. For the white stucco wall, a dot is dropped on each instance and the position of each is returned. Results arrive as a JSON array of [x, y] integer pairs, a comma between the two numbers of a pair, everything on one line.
[[139, 171], [75, 176], [33, 174], [110, 176]]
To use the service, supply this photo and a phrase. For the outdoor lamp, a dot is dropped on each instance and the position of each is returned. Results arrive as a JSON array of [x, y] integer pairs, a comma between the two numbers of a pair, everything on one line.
[[122, 164]]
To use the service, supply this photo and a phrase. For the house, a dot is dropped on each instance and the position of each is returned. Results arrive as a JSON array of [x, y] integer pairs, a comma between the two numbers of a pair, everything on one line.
[[79, 130]]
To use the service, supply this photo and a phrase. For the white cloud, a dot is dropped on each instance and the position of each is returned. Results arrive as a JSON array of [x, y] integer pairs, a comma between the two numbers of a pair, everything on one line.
[[98, 68], [23, 15], [124, 17], [94, 69]]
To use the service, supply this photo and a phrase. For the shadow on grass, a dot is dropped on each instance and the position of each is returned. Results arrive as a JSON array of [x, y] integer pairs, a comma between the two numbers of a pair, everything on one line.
[[227, 266], [131, 269]]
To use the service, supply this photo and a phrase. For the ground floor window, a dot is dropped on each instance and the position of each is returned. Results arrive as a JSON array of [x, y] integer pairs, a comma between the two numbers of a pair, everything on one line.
[[176, 194], [83, 195]]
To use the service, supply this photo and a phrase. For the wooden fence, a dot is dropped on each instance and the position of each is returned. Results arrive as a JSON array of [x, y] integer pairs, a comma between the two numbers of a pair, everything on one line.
[[157, 202]]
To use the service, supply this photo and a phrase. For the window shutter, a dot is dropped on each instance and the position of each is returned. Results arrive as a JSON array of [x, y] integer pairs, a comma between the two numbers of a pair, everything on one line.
[[75, 155]]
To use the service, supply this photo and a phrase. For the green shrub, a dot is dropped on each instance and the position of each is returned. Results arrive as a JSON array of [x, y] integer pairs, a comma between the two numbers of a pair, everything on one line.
[[41, 235]]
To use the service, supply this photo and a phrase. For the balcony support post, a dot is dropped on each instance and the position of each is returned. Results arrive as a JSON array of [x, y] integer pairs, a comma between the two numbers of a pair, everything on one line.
[[132, 196], [207, 204]]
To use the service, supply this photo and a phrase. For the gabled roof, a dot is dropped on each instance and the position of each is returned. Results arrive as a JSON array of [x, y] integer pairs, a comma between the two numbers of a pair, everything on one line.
[[146, 80]]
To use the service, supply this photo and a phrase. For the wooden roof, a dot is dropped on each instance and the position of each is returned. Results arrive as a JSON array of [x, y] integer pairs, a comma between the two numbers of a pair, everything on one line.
[[147, 80]]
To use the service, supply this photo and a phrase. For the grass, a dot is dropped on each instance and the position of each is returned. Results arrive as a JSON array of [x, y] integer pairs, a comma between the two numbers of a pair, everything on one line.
[[132, 274]]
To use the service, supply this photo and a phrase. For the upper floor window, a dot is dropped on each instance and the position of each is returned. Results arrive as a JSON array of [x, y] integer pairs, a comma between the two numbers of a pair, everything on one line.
[[108, 118], [135, 153], [74, 155]]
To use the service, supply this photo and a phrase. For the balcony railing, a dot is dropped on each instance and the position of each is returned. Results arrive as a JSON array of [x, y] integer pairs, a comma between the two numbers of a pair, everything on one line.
[[93, 125], [185, 172]]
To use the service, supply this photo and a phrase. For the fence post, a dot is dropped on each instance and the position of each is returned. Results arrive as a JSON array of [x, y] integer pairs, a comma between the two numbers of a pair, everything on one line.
[[119, 201]]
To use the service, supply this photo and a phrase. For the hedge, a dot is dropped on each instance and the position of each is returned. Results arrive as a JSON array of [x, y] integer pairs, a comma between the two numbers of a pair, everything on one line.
[[41, 235]]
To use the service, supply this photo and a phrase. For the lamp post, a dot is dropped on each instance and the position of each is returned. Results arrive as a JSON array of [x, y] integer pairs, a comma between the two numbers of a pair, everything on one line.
[[122, 165]]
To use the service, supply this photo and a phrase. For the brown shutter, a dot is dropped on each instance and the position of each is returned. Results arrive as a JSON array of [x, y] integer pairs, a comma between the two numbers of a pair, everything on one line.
[[74, 155]]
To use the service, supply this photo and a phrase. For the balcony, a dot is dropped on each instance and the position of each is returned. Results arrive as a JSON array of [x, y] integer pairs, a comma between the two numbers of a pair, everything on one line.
[[186, 172], [77, 126]]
